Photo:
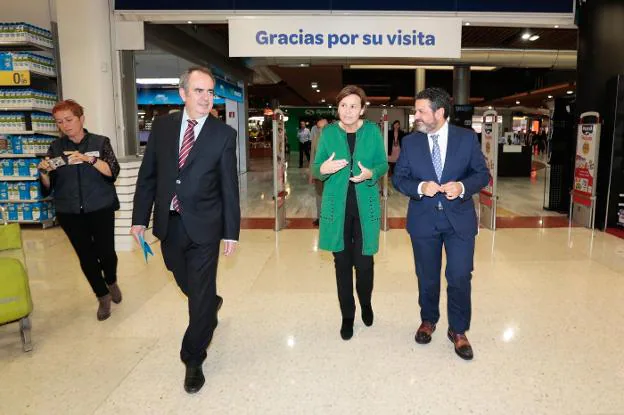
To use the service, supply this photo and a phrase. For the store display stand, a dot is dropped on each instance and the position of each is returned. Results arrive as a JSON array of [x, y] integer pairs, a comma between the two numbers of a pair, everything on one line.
[[27, 95]]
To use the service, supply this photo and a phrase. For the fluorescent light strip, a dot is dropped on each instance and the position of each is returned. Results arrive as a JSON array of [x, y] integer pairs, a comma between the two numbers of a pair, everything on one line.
[[158, 81], [429, 67]]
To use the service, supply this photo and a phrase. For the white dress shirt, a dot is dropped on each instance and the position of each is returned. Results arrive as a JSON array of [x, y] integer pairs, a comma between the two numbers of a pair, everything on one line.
[[442, 134], [196, 130]]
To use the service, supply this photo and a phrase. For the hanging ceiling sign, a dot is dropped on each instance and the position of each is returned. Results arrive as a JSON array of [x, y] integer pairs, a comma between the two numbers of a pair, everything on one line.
[[345, 36]]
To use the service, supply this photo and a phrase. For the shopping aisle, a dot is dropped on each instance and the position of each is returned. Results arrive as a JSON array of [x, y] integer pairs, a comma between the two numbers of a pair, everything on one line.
[[546, 332]]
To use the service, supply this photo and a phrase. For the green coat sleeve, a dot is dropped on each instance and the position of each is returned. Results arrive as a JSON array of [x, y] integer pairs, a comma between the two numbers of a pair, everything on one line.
[[380, 159], [320, 157]]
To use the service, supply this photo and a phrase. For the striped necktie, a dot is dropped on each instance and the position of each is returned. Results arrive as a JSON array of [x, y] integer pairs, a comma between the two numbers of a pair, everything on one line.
[[435, 156], [187, 145]]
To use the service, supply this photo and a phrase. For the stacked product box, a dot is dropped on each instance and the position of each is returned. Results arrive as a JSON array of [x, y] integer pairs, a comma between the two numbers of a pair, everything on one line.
[[23, 167], [28, 144], [20, 191], [33, 62], [42, 121], [19, 32], [26, 97], [12, 121]]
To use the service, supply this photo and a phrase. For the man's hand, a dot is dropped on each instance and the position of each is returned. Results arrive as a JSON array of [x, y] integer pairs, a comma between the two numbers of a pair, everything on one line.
[[137, 231], [430, 189], [452, 190], [331, 166], [365, 174], [229, 247]]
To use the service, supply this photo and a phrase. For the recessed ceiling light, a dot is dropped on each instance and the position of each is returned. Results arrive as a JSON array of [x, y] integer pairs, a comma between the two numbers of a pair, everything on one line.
[[367, 102], [318, 90], [391, 106], [329, 106], [517, 102], [467, 23], [190, 22], [556, 26], [303, 65], [550, 97], [323, 100], [314, 85], [526, 36], [569, 92], [534, 38], [490, 107]]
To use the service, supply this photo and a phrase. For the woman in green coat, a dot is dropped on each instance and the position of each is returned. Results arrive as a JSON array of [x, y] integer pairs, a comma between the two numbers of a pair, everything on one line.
[[350, 159]]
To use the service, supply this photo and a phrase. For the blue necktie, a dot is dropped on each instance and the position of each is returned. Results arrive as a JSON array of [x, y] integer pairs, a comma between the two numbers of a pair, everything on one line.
[[436, 157]]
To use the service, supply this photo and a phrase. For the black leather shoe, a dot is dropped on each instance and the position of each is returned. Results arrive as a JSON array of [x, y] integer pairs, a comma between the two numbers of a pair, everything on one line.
[[219, 304], [367, 315], [424, 332], [346, 330], [194, 379], [462, 345]]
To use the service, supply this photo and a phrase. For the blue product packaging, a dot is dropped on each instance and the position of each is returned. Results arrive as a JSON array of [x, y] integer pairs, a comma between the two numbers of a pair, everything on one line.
[[4, 191], [28, 211], [24, 190]]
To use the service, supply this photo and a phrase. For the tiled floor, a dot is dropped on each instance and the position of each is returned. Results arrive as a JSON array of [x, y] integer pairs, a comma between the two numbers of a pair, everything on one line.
[[547, 329], [547, 326]]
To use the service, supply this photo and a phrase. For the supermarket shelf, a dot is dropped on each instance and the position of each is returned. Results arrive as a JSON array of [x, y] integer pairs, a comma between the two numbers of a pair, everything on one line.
[[47, 199], [18, 178], [27, 108], [46, 223], [21, 156], [30, 132], [17, 46]]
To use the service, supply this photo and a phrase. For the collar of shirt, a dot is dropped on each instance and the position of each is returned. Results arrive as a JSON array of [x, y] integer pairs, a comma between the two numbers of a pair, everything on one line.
[[196, 130], [442, 140]]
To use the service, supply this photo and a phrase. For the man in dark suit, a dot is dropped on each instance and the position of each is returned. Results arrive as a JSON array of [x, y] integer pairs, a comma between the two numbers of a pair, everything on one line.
[[440, 167], [189, 176]]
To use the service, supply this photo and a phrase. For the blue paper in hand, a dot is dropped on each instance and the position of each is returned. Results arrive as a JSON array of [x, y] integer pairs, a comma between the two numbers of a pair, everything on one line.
[[146, 248]]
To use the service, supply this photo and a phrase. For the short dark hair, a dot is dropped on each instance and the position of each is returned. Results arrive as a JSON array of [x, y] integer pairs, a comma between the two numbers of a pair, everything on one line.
[[184, 77], [396, 122], [352, 90], [438, 97]]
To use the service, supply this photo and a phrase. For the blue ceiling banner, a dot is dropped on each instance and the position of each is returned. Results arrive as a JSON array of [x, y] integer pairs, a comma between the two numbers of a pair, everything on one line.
[[505, 6], [160, 96]]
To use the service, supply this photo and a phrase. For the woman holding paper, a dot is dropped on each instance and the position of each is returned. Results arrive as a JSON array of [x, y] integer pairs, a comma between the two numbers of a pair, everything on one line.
[[80, 170], [350, 159]]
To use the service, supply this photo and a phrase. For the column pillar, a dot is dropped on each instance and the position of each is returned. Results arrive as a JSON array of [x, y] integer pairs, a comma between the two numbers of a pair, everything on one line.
[[85, 50], [419, 77], [600, 60]]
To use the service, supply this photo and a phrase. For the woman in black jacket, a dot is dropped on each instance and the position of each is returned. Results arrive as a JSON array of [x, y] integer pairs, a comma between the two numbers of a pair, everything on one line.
[[80, 169], [395, 139]]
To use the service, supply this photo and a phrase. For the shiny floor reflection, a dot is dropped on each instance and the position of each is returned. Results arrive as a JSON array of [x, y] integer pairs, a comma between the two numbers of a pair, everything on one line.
[[547, 332]]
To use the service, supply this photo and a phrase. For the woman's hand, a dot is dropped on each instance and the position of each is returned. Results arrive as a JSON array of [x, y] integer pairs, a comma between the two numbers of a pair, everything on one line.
[[44, 166], [77, 157], [331, 166], [365, 174]]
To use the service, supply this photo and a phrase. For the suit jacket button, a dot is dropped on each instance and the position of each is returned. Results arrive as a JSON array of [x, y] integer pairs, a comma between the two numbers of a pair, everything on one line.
[[178, 181]]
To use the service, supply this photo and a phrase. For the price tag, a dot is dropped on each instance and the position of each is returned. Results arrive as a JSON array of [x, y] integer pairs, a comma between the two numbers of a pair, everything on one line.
[[14, 78]]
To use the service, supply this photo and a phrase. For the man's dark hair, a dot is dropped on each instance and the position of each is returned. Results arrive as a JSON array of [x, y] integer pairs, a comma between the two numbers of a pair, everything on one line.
[[438, 97]]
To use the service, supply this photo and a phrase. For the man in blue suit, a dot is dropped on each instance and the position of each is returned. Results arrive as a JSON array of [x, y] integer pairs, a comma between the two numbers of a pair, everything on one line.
[[440, 167]]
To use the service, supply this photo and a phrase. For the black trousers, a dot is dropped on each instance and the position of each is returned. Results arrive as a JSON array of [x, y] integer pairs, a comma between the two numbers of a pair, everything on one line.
[[345, 261], [93, 237], [194, 267], [304, 148]]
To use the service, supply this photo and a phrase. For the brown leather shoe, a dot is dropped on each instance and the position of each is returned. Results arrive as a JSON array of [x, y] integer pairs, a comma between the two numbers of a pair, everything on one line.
[[462, 345], [424, 332], [115, 293], [104, 310]]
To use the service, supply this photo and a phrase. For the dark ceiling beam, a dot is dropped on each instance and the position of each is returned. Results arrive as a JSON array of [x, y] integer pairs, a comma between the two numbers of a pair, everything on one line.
[[172, 40]]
